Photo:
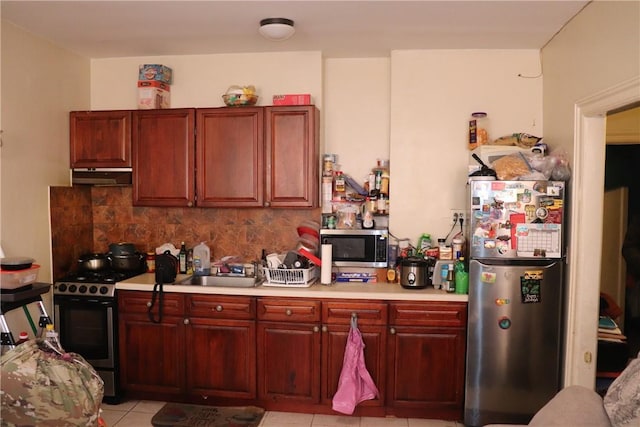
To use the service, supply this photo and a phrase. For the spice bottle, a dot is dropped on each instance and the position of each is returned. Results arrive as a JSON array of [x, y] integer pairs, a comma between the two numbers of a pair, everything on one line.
[[151, 262], [340, 185]]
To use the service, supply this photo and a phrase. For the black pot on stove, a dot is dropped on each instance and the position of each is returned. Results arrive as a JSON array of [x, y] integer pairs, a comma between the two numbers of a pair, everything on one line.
[[133, 262]]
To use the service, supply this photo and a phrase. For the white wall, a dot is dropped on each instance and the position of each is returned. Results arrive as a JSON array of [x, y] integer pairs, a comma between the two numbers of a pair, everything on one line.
[[590, 65], [41, 83], [201, 80], [433, 94], [411, 109], [357, 101]]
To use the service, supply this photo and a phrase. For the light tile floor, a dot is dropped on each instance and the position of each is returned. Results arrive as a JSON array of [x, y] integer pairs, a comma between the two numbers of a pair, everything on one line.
[[139, 414]]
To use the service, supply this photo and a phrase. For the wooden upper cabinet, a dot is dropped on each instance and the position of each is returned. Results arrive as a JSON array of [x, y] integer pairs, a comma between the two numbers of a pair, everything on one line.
[[100, 139], [229, 157], [292, 156], [163, 146]]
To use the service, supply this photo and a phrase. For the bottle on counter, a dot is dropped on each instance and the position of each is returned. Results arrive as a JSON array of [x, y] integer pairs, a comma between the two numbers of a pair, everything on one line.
[[451, 283], [424, 243], [22, 338], [51, 336], [340, 185], [461, 277], [201, 260], [182, 259], [151, 262]]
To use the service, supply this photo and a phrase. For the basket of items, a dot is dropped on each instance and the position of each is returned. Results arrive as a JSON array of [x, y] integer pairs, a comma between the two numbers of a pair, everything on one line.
[[290, 277], [238, 96]]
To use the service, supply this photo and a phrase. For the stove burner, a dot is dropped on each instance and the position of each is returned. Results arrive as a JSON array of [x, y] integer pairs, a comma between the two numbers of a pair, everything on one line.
[[78, 283]]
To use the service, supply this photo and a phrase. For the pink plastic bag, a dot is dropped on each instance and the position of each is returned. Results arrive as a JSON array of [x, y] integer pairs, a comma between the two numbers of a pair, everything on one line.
[[355, 384]]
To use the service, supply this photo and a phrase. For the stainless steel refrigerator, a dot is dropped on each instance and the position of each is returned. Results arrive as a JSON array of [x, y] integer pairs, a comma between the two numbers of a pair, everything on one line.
[[516, 300]]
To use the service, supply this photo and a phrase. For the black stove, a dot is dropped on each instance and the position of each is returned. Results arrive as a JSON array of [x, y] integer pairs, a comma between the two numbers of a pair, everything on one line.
[[92, 283]]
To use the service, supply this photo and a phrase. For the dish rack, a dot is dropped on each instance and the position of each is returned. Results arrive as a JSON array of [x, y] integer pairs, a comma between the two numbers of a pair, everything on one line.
[[290, 277]]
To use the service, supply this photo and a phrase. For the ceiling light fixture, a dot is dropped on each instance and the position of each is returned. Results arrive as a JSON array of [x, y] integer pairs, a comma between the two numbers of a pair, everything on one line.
[[277, 28]]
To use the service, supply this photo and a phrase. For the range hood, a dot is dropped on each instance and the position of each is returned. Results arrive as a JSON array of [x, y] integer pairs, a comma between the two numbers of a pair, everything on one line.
[[101, 176]]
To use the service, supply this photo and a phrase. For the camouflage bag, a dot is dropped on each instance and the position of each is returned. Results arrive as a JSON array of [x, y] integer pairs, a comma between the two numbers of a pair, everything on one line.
[[46, 388]]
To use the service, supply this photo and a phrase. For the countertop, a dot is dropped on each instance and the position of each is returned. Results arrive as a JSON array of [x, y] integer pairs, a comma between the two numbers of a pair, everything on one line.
[[375, 291]]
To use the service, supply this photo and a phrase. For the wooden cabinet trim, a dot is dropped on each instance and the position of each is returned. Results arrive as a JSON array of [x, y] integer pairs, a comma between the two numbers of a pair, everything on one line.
[[137, 302], [220, 306], [367, 313], [289, 310], [428, 313]]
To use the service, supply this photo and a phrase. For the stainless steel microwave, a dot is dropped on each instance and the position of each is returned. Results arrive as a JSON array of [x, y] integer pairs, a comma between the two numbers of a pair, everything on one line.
[[357, 248]]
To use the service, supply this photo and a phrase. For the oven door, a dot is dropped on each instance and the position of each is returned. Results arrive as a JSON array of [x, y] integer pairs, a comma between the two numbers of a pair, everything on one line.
[[87, 326]]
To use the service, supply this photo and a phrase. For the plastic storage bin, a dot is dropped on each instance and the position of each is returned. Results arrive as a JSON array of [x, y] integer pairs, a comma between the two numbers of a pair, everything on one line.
[[14, 279]]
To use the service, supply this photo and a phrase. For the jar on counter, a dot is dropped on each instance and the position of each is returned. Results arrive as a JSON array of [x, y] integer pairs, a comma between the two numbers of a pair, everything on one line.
[[340, 184], [151, 262], [478, 130]]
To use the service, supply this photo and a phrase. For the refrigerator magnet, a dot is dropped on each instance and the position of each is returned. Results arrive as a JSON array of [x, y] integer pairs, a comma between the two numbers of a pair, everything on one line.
[[488, 277], [530, 289]]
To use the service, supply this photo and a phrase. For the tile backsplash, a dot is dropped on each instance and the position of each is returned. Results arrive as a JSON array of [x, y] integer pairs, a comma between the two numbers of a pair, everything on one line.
[[87, 219]]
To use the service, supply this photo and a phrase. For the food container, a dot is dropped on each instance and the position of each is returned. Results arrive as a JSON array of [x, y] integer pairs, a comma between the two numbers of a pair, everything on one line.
[[19, 278], [237, 100]]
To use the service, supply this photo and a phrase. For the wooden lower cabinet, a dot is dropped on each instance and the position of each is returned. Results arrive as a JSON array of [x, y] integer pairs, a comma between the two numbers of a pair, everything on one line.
[[152, 355], [221, 336], [371, 319], [426, 354], [203, 348], [289, 351], [286, 354]]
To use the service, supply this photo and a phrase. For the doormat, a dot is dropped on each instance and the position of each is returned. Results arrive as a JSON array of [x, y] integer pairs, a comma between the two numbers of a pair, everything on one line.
[[184, 415]]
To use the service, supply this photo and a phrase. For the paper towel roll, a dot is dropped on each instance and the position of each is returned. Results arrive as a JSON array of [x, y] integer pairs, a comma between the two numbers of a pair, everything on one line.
[[325, 271]]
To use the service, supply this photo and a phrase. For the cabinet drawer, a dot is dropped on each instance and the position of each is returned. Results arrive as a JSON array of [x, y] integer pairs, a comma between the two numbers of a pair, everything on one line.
[[288, 310], [367, 313], [221, 307], [428, 314], [138, 302]]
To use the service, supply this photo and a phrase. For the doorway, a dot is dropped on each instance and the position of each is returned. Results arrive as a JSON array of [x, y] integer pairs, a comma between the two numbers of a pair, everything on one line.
[[586, 227], [622, 192]]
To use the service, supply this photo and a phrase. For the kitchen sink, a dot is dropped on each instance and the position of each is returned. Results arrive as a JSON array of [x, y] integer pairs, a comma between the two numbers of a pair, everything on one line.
[[224, 281]]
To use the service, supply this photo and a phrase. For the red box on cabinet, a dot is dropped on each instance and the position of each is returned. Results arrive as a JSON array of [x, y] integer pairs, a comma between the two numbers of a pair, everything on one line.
[[292, 99]]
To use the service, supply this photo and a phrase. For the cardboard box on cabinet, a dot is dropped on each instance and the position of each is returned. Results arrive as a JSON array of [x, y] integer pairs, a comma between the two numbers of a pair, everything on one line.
[[157, 72], [153, 95]]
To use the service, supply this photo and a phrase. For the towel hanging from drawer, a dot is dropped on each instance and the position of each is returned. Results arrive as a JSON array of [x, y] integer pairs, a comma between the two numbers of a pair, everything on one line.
[[355, 384]]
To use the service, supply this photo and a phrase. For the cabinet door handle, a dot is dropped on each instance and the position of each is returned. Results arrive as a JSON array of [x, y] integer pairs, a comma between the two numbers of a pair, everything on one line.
[[324, 328], [148, 303], [186, 321], [190, 204], [392, 331], [267, 204], [288, 312], [316, 329], [218, 308]]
